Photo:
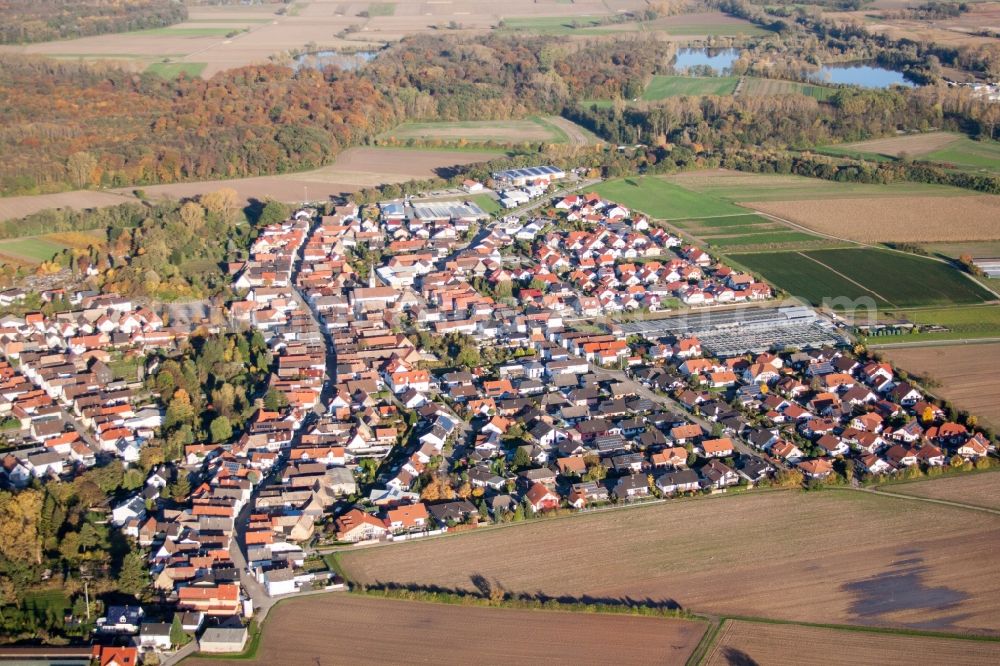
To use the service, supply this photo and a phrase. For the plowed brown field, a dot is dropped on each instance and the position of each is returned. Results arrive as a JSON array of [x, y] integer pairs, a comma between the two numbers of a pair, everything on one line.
[[909, 219], [348, 629], [756, 643], [969, 374], [837, 557]]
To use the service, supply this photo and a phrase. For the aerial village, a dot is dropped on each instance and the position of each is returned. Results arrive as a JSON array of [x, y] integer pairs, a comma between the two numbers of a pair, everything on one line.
[[437, 369]]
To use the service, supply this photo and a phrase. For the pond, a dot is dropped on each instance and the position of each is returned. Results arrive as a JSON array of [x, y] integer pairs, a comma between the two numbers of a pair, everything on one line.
[[321, 59], [866, 75], [719, 60]]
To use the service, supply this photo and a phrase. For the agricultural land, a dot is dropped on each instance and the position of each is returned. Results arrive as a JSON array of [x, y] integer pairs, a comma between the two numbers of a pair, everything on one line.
[[744, 642], [909, 219], [216, 38], [792, 562], [353, 169], [662, 86], [966, 374], [890, 279], [946, 148], [551, 129], [981, 489], [298, 632]]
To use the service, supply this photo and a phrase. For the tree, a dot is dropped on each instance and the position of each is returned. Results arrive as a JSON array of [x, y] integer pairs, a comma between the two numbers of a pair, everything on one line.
[[80, 166], [181, 488], [522, 458], [177, 634], [221, 429], [223, 204], [19, 519], [133, 479], [274, 212], [193, 215], [133, 577], [275, 400], [179, 411], [150, 457]]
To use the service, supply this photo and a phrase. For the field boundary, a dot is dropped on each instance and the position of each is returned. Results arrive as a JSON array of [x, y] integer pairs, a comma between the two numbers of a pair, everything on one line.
[[855, 283], [917, 498], [873, 246]]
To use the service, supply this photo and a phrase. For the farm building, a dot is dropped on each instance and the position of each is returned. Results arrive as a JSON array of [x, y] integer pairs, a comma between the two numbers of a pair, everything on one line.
[[223, 639], [522, 177]]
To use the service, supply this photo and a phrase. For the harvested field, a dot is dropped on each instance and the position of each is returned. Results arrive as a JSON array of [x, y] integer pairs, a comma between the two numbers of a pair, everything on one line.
[[205, 37], [914, 145], [969, 375], [754, 87], [741, 186], [981, 489], [552, 129], [742, 642], [338, 629], [353, 169], [910, 219], [14, 207], [812, 557]]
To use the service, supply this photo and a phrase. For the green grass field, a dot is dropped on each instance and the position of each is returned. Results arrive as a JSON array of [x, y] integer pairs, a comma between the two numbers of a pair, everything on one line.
[[768, 238], [171, 70], [554, 25], [755, 87], [173, 31], [382, 9], [712, 29], [963, 154], [535, 129], [487, 203], [661, 87], [663, 200], [969, 154], [976, 321], [738, 186], [31, 249], [890, 279]]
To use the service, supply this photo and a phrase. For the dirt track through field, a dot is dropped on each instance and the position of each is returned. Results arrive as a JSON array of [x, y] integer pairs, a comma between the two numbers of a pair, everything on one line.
[[855, 283]]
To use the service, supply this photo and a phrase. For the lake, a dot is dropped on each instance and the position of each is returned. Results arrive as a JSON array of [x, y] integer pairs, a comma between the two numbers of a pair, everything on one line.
[[719, 60], [321, 59], [861, 74]]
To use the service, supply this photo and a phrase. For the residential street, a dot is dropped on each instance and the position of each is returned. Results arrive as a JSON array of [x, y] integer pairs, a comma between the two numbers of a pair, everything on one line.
[[674, 406]]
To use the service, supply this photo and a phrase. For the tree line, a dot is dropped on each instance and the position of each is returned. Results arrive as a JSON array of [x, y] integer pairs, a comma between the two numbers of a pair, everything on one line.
[[24, 21]]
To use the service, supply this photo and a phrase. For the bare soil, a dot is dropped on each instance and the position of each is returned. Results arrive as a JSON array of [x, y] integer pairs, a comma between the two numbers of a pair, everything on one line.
[[348, 629], [981, 489], [969, 375], [745, 643], [836, 557], [14, 207], [911, 144], [911, 219]]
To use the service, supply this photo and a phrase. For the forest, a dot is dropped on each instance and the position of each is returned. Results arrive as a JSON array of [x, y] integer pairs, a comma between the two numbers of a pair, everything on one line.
[[23, 21], [164, 250], [77, 126]]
